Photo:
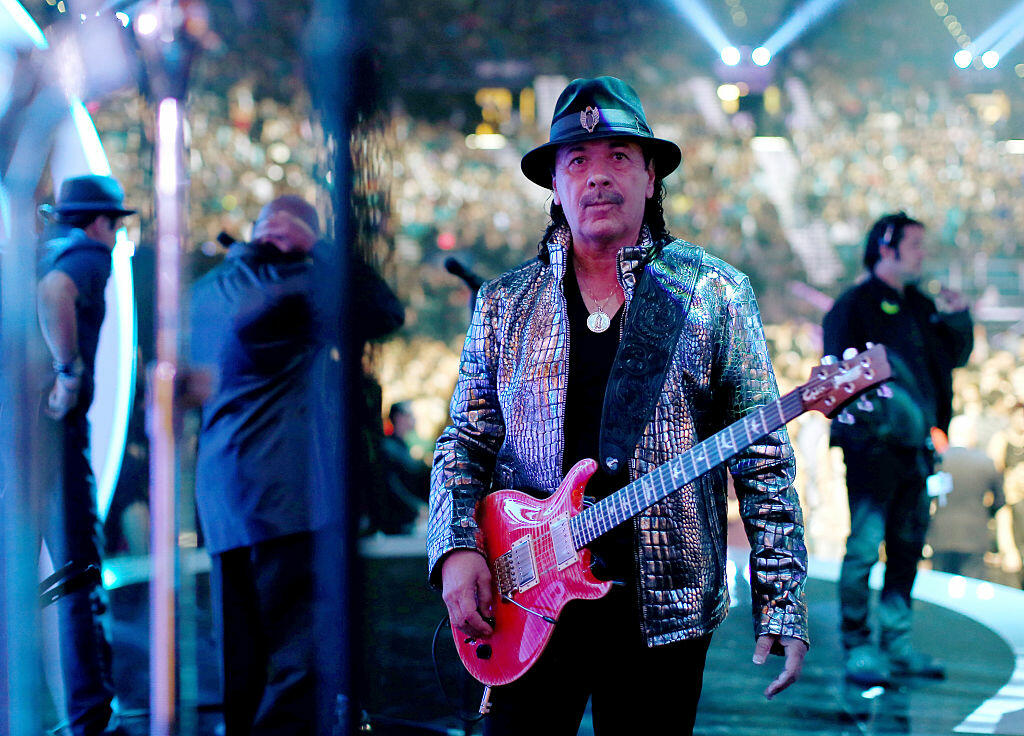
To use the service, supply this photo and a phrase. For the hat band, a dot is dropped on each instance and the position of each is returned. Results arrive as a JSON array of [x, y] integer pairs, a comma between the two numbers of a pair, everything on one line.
[[614, 118]]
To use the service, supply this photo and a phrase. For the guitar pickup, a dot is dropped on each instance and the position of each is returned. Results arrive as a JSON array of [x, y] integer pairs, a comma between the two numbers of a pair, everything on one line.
[[516, 570], [561, 542]]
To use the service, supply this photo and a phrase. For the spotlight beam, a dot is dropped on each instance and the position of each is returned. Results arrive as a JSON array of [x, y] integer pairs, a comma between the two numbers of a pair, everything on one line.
[[1003, 26], [805, 16], [1008, 42], [696, 13]]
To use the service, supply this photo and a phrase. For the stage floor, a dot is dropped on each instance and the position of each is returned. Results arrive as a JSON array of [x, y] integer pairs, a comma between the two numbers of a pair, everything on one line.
[[976, 627]]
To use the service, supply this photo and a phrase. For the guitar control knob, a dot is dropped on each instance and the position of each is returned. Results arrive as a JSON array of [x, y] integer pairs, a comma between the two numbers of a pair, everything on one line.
[[484, 651]]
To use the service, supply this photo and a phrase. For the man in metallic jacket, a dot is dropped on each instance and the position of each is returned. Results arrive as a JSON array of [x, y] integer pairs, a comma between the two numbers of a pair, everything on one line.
[[535, 364]]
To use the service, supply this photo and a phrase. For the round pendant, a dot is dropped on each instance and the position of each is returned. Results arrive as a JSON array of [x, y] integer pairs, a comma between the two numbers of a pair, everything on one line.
[[598, 321]]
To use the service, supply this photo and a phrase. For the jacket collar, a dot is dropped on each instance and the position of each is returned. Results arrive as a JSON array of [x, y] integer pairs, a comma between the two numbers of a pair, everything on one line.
[[630, 259]]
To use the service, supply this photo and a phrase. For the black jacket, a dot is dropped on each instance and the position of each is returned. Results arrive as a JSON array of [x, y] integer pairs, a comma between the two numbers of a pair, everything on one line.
[[924, 347], [253, 321]]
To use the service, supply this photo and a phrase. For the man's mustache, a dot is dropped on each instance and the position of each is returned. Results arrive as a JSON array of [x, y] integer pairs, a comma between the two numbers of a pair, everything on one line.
[[600, 197]]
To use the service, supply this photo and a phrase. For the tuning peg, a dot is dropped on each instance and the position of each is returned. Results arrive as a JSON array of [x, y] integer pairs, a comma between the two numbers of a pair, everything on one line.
[[885, 391], [829, 360], [845, 417], [850, 353], [869, 345], [864, 404]]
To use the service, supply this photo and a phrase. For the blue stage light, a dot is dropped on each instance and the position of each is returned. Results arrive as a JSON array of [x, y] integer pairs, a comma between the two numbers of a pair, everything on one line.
[[1009, 42], [963, 58], [21, 21], [1008, 23], [761, 56], [805, 16], [696, 13], [731, 56]]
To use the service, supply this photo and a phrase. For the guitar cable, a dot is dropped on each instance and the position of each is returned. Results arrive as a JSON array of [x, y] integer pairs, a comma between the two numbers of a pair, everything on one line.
[[455, 708]]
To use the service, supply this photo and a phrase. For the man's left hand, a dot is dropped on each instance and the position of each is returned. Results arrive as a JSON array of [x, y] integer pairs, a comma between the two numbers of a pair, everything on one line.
[[796, 649]]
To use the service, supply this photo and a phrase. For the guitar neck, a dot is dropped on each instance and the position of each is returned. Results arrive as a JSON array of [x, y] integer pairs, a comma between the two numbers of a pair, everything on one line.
[[646, 491]]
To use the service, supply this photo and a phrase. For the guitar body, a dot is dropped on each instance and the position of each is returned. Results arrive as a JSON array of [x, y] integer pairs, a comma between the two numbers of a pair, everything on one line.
[[512, 520]]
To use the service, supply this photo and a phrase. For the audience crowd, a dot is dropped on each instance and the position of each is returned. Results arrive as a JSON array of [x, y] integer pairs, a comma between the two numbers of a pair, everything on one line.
[[859, 137]]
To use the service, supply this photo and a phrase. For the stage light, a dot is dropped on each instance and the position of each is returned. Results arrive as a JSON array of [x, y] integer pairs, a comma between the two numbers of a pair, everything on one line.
[[990, 59], [761, 56], [1008, 42], [805, 16], [963, 58], [1007, 25], [731, 55], [485, 141], [20, 17], [728, 92], [697, 15], [146, 24]]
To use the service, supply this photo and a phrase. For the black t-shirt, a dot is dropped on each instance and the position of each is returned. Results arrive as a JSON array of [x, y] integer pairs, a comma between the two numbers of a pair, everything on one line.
[[87, 263], [591, 355]]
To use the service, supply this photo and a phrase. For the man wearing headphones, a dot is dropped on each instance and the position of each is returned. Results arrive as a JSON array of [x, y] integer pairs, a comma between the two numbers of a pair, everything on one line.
[[887, 451]]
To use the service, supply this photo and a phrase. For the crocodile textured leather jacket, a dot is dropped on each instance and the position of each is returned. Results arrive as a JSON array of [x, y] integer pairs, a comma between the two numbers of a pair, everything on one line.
[[506, 432]]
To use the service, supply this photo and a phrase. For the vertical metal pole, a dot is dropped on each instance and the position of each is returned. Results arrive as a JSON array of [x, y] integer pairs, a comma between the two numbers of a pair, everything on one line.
[[331, 37], [21, 482], [170, 231]]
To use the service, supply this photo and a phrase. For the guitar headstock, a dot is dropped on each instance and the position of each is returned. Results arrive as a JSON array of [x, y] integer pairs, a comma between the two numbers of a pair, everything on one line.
[[833, 386]]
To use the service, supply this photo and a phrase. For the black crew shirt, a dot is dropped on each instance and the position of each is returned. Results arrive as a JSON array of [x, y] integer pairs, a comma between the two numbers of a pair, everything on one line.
[[591, 355], [88, 264]]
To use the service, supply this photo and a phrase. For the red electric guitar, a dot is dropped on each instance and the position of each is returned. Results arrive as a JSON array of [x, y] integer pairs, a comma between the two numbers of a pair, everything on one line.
[[536, 549]]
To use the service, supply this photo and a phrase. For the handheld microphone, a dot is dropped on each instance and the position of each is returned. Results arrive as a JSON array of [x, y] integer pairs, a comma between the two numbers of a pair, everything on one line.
[[454, 266]]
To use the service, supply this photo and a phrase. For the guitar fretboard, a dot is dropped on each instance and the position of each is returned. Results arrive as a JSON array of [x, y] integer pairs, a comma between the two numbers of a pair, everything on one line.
[[646, 491]]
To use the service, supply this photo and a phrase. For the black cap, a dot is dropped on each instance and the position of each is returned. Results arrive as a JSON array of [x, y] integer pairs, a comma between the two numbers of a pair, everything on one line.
[[92, 193], [589, 109]]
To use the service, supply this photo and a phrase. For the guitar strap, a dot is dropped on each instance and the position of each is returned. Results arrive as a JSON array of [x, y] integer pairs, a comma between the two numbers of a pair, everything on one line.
[[649, 338]]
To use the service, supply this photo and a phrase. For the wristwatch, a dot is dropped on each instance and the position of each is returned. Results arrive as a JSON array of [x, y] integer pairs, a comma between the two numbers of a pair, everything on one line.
[[72, 369]]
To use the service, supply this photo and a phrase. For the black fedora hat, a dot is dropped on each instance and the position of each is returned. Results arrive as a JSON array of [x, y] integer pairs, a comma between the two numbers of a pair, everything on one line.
[[92, 193], [589, 109]]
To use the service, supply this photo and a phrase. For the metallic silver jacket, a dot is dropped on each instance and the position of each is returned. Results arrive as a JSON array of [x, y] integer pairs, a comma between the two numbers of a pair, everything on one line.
[[506, 431]]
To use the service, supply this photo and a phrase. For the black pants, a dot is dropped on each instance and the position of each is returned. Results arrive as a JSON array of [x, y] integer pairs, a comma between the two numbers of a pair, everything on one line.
[[598, 650], [72, 532], [888, 502], [263, 606]]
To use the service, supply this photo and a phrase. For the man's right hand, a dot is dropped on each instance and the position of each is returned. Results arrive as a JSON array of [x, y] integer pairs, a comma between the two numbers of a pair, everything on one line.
[[466, 589], [63, 397]]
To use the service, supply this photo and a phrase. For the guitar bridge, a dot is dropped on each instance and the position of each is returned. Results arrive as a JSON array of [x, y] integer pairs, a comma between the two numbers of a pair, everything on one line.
[[515, 570]]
